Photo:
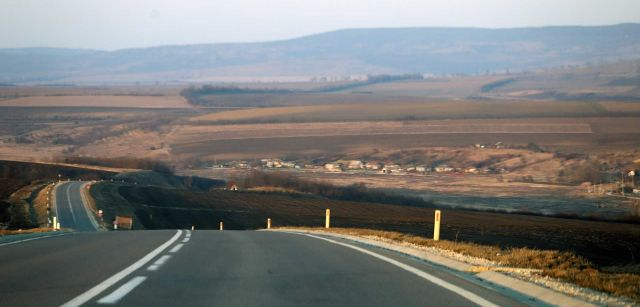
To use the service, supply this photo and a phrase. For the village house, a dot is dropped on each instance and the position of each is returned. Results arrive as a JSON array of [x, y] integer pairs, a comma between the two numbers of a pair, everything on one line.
[[355, 164], [373, 165], [271, 163], [333, 167], [231, 186], [471, 170], [391, 169], [421, 169], [443, 169], [288, 164]]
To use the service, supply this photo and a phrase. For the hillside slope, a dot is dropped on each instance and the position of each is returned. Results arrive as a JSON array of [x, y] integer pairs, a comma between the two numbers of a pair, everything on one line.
[[343, 52]]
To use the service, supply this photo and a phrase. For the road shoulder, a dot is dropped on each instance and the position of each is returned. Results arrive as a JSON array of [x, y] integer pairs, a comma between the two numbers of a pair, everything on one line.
[[530, 290]]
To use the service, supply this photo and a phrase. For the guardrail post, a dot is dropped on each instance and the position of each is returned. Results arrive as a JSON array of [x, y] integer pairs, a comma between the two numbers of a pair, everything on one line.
[[327, 219], [436, 226], [269, 223]]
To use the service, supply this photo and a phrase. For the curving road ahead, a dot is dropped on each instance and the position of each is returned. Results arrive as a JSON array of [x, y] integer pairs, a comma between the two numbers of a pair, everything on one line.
[[227, 268], [70, 208]]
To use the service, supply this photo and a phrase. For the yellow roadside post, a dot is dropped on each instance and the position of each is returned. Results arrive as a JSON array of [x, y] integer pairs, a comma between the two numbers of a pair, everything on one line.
[[328, 216], [436, 227], [269, 223], [221, 226]]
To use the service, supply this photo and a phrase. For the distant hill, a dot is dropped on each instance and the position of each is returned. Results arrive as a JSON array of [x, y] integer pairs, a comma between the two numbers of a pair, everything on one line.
[[338, 53]]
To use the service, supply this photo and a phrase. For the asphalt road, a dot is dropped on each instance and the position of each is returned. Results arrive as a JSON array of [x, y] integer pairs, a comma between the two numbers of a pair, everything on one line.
[[225, 268], [70, 209]]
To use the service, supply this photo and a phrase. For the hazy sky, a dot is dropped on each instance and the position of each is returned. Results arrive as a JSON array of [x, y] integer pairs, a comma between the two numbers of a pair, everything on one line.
[[116, 24]]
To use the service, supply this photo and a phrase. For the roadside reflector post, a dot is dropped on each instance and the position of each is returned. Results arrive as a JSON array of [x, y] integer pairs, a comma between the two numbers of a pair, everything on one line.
[[436, 226], [327, 218], [55, 223], [58, 225], [193, 227], [221, 226], [268, 223]]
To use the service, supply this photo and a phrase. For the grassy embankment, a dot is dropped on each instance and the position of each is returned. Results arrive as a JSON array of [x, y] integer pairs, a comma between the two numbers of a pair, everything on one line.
[[23, 187]]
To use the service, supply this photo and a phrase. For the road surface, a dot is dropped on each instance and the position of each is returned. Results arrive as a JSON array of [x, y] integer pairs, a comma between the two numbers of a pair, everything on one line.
[[226, 268], [70, 208]]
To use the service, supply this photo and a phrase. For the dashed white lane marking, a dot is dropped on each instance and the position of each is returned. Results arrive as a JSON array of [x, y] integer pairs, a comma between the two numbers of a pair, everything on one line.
[[176, 248], [162, 260], [185, 240], [153, 267], [451, 287], [93, 292], [123, 290], [156, 265]]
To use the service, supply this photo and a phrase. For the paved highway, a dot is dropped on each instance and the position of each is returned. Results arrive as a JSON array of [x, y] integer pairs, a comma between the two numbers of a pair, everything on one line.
[[225, 268], [70, 208]]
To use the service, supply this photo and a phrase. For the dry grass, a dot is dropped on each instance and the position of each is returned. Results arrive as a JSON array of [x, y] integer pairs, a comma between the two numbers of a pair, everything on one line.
[[40, 205], [565, 266], [5, 232]]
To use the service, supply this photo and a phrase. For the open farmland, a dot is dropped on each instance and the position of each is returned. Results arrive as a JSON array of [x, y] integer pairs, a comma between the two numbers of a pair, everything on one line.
[[422, 110], [273, 140]]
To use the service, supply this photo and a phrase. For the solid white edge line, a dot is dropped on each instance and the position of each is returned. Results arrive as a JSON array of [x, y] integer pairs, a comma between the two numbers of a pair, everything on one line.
[[96, 290], [472, 297], [31, 239], [89, 213], [176, 248], [122, 291]]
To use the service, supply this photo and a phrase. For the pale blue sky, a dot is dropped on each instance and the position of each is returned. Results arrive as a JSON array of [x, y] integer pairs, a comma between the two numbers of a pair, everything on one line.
[[116, 24]]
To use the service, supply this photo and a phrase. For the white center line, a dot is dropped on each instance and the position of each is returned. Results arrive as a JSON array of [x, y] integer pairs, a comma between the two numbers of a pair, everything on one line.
[[176, 248], [472, 297], [73, 216], [162, 260], [93, 292], [119, 293], [156, 265], [31, 239]]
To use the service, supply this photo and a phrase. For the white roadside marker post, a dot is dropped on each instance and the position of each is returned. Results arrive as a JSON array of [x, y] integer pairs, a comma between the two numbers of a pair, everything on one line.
[[193, 227], [269, 223], [327, 218], [55, 223], [58, 225], [436, 227], [221, 226]]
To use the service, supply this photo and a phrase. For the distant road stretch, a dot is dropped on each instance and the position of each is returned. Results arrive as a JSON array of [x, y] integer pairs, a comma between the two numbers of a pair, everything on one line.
[[70, 209], [224, 268]]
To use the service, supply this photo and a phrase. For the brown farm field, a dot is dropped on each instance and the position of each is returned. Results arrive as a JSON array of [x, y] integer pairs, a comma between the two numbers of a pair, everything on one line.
[[401, 111], [273, 140]]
